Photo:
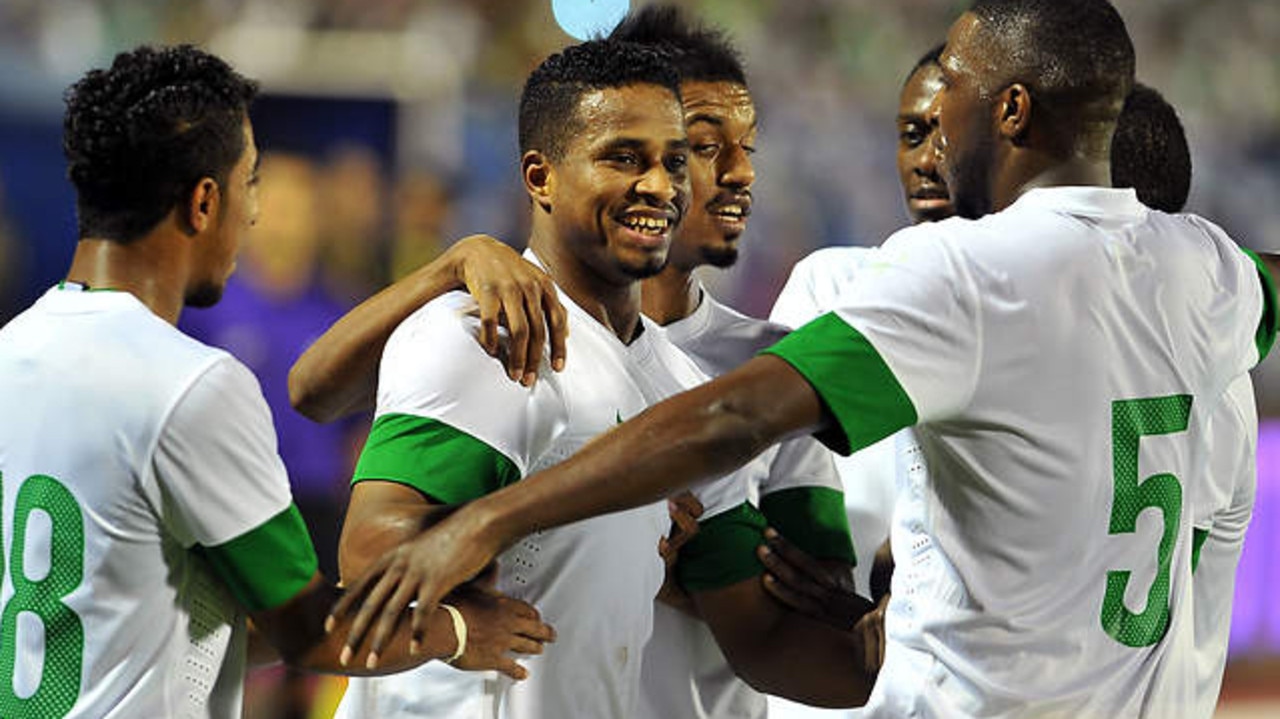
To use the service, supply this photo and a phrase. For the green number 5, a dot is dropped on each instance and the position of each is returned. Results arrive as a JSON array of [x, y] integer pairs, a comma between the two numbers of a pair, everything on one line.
[[1130, 421], [64, 633]]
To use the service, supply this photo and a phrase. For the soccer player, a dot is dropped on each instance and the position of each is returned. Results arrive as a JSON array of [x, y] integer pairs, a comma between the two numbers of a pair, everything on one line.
[[145, 509], [1056, 379], [604, 163], [1149, 152], [817, 282], [684, 671]]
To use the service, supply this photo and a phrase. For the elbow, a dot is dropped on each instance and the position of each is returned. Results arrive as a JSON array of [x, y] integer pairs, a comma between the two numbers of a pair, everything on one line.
[[304, 398]]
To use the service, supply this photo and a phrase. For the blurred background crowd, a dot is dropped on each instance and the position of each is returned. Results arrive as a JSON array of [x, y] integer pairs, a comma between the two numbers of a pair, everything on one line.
[[388, 130]]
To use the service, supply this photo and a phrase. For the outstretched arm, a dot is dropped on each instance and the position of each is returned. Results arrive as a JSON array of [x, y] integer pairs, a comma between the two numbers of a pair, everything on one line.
[[703, 433], [337, 375]]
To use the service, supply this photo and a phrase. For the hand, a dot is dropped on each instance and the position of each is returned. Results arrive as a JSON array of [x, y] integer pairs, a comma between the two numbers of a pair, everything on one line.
[[871, 629], [684, 509], [516, 294], [882, 571], [421, 570], [496, 626], [823, 592]]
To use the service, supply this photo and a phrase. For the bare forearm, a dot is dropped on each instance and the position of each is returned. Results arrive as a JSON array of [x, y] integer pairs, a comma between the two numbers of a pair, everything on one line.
[[338, 374], [807, 661], [701, 434], [780, 651]]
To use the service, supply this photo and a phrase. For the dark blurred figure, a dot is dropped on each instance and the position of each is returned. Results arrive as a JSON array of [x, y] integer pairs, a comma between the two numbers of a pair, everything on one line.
[[352, 251], [421, 216], [1149, 151]]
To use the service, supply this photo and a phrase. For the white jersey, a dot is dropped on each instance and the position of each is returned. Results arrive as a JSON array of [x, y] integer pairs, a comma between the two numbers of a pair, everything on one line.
[[813, 289], [684, 673], [140, 478], [1060, 358], [451, 424], [1222, 515]]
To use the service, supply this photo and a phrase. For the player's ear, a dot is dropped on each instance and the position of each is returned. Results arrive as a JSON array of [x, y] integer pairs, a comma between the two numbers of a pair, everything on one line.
[[1014, 106], [201, 206], [539, 178]]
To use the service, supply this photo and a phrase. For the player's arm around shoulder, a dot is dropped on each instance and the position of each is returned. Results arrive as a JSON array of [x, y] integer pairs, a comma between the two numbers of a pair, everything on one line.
[[337, 375]]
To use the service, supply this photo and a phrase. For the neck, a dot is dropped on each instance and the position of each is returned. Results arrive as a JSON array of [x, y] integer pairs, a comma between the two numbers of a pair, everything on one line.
[[613, 303], [670, 295], [1054, 156], [143, 268], [1042, 171]]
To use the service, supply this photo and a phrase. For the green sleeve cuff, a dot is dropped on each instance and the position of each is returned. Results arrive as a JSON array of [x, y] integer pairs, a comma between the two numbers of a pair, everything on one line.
[[813, 519], [267, 566], [1265, 337], [443, 463], [851, 378], [723, 552]]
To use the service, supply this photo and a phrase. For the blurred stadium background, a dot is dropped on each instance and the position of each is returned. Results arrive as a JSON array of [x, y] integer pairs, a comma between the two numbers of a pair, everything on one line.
[[388, 130]]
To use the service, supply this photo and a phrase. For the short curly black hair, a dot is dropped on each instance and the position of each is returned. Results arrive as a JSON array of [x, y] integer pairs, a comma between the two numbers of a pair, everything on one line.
[[1149, 151], [929, 59], [699, 53], [549, 103], [141, 134]]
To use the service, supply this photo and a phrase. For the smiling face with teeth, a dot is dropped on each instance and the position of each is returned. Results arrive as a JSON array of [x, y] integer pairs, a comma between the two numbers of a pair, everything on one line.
[[721, 120], [621, 186]]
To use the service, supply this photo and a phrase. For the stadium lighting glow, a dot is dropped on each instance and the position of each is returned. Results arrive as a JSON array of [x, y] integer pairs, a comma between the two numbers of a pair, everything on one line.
[[584, 19]]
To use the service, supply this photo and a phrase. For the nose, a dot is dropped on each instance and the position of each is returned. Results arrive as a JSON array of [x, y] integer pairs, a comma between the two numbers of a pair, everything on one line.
[[658, 185], [926, 156], [736, 168]]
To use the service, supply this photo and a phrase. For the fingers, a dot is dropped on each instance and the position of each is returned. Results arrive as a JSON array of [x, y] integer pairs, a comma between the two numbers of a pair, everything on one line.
[[797, 559], [510, 668], [519, 327], [790, 597], [557, 324], [536, 630], [369, 607], [390, 615], [537, 338], [786, 574], [687, 503]]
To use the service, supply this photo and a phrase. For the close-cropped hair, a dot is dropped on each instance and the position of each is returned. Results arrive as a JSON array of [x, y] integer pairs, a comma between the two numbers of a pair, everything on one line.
[[699, 52], [549, 103], [928, 59], [141, 134], [1149, 151], [1075, 54]]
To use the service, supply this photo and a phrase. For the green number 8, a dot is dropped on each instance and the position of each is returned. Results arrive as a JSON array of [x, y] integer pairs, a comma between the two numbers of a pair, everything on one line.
[[64, 633], [1131, 420]]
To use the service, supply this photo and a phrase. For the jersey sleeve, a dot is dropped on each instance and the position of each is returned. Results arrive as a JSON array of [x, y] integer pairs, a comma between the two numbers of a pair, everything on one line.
[[723, 552], [904, 346], [224, 488], [450, 423], [802, 497], [797, 303], [1269, 319]]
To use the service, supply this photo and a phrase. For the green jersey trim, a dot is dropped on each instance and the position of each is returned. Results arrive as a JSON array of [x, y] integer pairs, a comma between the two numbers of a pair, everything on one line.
[[1198, 537], [268, 565], [852, 379], [813, 519], [444, 463], [723, 552], [1270, 322]]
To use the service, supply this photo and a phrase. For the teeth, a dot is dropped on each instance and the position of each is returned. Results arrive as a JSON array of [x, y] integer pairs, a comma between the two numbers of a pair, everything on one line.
[[731, 211], [647, 225]]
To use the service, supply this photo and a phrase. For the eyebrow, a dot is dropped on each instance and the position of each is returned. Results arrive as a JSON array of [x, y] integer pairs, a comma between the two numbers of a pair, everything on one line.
[[715, 120], [631, 143]]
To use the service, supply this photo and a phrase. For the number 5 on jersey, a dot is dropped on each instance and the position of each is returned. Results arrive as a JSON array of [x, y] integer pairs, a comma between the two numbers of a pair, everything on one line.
[[1130, 421]]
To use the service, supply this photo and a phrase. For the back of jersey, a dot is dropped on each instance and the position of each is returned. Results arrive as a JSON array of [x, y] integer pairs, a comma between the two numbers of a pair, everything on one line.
[[101, 607], [1062, 357]]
